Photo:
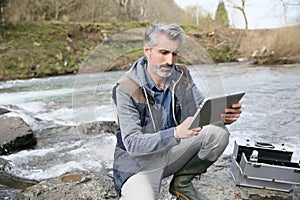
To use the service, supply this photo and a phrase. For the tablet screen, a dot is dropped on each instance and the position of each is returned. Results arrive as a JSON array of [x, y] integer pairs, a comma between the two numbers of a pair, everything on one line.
[[211, 109]]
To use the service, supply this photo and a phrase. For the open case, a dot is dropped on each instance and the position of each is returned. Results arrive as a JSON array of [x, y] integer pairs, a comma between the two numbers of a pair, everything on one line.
[[262, 165]]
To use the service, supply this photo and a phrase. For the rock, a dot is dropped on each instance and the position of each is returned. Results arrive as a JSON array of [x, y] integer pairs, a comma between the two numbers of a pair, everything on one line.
[[216, 184], [98, 127], [15, 182], [15, 135], [3, 111], [75, 185]]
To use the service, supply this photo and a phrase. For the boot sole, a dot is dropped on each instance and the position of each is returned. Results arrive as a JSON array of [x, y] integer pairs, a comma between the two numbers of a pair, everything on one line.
[[178, 194]]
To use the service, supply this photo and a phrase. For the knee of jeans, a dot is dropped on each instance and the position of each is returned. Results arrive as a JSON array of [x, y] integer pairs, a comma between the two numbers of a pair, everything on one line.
[[218, 139], [220, 136]]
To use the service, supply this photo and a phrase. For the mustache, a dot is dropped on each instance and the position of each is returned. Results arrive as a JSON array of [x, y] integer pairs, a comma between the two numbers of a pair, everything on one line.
[[166, 65]]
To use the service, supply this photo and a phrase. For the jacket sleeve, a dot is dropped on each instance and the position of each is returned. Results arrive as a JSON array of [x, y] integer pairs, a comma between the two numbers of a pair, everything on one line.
[[136, 141]]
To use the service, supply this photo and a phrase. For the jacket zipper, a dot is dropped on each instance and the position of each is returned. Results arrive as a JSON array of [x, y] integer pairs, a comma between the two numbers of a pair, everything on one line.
[[173, 98]]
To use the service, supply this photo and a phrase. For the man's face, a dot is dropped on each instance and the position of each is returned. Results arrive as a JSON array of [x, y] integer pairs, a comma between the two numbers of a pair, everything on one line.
[[162, 57]]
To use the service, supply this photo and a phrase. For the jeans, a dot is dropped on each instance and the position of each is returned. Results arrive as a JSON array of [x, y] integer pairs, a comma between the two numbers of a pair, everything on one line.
[[208, 145]]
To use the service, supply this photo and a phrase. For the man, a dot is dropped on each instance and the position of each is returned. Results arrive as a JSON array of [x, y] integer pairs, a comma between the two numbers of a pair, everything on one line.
[[155, 101]]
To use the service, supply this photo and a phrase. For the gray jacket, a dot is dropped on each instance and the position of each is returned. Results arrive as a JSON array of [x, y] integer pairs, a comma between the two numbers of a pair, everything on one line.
[[139, 136]]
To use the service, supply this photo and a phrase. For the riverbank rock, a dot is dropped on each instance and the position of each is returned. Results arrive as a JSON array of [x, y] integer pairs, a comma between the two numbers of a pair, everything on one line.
[[75, 185], [98, 127], [15, 135], [3, 111], [216, 184]]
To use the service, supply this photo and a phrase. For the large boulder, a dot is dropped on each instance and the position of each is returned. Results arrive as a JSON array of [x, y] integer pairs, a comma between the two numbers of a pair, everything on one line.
[[15, 135]]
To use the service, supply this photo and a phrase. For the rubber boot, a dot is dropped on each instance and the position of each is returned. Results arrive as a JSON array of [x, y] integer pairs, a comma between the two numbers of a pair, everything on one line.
[[181, 185]]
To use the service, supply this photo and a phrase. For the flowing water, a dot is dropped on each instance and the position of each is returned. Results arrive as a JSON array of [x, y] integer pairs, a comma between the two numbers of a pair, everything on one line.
[[271, 110]]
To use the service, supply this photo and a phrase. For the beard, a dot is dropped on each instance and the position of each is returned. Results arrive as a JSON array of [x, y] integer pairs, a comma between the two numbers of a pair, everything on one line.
[[163, 71]]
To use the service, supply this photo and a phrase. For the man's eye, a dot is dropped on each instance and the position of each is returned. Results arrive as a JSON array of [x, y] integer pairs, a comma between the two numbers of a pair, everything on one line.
[[165, 52], [168, 52]]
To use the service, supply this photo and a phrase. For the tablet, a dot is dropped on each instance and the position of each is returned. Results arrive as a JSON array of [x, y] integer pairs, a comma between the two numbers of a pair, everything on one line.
[[211, 109]]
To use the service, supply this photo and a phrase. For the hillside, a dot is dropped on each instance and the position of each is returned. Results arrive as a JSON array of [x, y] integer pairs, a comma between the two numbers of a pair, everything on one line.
[[45, 48]]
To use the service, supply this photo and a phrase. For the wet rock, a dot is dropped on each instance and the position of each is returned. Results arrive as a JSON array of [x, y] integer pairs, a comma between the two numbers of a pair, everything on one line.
[[75, 185], [216, 184], [4, 165], [15, 135], [15, 182], [3, 111], [98, 127]]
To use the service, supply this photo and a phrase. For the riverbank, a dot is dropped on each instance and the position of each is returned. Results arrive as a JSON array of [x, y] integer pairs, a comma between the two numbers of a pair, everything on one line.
[[216, 184], [47, 48], [53, 106]]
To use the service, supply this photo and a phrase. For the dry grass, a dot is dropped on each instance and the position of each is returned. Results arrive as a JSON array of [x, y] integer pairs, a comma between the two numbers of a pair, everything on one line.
[[283, 42]]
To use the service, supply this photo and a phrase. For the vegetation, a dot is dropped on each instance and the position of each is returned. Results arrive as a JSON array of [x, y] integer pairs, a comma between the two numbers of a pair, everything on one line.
[[221, 15], [38, 39], [92, 10]]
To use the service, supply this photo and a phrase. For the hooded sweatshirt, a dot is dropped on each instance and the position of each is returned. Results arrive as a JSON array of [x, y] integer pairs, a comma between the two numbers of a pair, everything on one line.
[[141, 142]]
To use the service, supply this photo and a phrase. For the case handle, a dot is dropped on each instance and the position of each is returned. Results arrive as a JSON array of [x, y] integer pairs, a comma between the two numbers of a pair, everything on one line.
[[264, 145]]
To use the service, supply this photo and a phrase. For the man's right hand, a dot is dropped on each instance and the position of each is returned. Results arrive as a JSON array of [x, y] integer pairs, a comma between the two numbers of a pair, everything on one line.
[[184, 132]]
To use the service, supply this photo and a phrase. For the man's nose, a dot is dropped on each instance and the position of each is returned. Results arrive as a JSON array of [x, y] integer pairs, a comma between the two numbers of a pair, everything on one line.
[[170, 59]]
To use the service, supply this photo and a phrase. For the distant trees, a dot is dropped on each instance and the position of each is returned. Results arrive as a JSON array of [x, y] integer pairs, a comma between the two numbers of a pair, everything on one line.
[[287, 4], [2, 5], [93, 10], [221, 15]]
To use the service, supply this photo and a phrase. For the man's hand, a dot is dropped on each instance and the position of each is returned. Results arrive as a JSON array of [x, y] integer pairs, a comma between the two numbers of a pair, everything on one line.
[[184, 132], [232, 114]]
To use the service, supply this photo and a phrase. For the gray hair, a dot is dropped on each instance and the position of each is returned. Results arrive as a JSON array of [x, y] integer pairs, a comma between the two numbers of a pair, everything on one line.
[[173, 31]]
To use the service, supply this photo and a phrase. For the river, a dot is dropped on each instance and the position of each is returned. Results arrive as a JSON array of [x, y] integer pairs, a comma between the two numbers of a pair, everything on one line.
[[271, 110]]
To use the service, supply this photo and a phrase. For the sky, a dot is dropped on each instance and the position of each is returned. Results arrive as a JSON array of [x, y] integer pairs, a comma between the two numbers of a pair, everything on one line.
[[261, 14]]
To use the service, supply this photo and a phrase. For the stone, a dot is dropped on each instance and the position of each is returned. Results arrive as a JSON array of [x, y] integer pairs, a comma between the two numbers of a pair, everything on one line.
[[216, 184], [15, 135], [3, 111], [73, 185]]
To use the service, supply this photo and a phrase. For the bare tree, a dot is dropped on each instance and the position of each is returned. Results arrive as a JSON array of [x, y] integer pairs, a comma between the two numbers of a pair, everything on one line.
[[286, 4], [122, 4], [61, 6], [241, 8], [91, 10], [2, 5]]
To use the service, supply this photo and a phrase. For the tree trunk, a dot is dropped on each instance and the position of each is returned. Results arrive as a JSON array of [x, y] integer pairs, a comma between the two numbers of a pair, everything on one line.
[[2, 14], [123, 15]]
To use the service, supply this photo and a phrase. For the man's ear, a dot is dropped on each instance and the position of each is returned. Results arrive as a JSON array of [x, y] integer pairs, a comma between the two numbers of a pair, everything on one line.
[[147, 50]]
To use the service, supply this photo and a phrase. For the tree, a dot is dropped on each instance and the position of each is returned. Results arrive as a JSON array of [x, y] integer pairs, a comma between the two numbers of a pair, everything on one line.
[[286, 5], [2, 5], [221, 15], [92, 10], [122, 4], [240, 8]]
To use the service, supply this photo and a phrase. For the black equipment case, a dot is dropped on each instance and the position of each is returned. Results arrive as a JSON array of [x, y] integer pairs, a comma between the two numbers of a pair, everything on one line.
[[262, 165]]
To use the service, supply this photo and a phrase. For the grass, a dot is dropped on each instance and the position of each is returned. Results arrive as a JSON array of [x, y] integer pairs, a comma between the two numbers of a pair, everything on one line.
[[284, 44], [40, 49]]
